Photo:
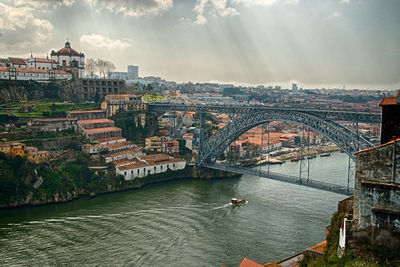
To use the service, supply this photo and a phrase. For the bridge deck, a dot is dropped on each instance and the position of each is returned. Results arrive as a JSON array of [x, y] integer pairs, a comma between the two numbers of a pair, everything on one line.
[[284, 178]]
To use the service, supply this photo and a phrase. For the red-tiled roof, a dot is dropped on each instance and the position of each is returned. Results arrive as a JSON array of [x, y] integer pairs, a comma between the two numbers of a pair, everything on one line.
[[123, 162], [102, 130], [319, 248], [17, 60], [55, 119], [249, 263], [94, 121], [387, 101], [44, 60], [86, 111], [155, 157], [119, 145], [120, 95], [2, 68], [132, 166], [128, 152], [385, 144]]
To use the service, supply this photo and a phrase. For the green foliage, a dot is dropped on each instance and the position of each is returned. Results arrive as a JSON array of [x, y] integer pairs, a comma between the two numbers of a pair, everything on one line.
[[183, 150], [126, 121], [41, 108]]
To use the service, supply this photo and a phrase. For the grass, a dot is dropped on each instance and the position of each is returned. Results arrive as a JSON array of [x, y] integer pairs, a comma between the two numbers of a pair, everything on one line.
[[152, 98], [42, 108]]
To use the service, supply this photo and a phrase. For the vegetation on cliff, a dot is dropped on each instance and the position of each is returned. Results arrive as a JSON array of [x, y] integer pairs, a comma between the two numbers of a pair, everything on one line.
[[130, 123], [25, 183], [370, 256]]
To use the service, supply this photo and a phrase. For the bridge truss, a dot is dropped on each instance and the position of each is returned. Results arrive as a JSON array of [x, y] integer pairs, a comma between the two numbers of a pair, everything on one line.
[[344, 138]]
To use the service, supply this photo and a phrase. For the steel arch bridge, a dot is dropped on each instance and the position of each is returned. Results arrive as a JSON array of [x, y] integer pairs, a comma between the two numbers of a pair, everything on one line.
[[344, 138]]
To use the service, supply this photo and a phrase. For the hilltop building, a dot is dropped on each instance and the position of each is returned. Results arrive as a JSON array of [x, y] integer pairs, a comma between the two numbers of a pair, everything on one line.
[[67, 58]]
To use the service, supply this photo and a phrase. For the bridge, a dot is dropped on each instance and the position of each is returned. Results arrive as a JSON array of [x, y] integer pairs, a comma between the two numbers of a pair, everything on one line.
[[324, 122]]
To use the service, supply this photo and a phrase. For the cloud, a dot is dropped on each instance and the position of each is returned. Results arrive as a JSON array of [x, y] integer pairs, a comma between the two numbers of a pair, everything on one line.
[[98, 41], [334, 15], [132, 8], [223, 8], [21, 29], [345, 1]]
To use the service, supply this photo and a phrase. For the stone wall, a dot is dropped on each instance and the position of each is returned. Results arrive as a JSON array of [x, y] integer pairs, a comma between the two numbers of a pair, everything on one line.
[[377, 196]]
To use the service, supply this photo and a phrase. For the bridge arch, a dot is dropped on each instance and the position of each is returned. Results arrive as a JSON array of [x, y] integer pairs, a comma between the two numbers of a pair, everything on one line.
[[344, 138]]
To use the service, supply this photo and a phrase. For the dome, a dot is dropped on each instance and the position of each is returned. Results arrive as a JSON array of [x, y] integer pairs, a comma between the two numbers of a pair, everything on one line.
[[67, 50]]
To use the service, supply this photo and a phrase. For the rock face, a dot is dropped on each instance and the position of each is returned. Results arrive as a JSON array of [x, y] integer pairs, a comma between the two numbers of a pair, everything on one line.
[[377, 197], [110, 183], [14, 91]]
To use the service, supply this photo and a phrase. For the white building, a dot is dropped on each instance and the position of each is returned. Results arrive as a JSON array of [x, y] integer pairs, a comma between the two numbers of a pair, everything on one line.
[[67, 57], [40, 63], [11, 73], [150, 164]]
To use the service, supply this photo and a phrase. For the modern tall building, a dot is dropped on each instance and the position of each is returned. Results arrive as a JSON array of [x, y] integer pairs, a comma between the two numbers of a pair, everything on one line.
[[133, 72]]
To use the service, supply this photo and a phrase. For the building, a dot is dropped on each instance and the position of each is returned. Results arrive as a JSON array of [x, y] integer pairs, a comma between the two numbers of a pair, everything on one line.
[[110, 140], [153, 143], [38, 157], [67, 58], [52, 124], [20, 149], [125, 154], [390, 127], [115, 102], [28, 74], [92, 89], [95, 123], [87, 114], [169, 145], [148, 165], [17, 62], [97, 133], [376, 214], [132, 74], [40, 63]]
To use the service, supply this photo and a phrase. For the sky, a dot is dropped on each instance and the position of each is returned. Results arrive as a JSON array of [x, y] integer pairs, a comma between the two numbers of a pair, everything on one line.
[[314, 43]]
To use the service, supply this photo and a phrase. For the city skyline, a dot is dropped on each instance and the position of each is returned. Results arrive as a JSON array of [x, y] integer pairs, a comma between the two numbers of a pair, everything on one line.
[[245, 42]]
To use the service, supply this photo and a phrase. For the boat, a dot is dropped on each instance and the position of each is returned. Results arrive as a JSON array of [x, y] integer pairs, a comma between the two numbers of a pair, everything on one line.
[[325, 154], [236, 201]]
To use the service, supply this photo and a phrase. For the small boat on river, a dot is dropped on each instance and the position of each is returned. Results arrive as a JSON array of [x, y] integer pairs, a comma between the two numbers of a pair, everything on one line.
[[236, 201]]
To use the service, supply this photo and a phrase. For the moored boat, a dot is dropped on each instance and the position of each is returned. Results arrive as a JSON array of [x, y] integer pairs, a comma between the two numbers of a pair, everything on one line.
[[325, 154]]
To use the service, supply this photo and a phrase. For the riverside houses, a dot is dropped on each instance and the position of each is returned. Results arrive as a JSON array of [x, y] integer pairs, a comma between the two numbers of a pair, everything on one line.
[[149, 164]]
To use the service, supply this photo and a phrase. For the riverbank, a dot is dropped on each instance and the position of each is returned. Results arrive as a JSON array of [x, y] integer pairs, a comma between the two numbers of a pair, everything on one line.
[[34, 185], [314, 151]]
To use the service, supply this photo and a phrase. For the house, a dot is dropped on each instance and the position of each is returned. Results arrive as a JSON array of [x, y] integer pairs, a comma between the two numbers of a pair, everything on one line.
[[148, 165], [87, 114], [125, 154], [114, 102], [38, 157], [97, 133]]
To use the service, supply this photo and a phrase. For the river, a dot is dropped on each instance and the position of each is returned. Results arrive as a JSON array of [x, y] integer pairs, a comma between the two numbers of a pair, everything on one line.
[[183, 223]]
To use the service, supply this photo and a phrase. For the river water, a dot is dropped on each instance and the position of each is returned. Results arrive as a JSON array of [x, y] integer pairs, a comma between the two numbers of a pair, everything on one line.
[[182, 223]]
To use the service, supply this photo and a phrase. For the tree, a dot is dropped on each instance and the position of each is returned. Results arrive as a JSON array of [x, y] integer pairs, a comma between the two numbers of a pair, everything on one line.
[[109, 67], [148, 87], [101, 66], [91, 66]]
